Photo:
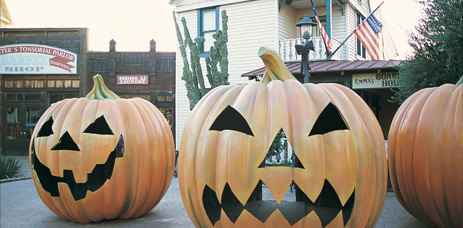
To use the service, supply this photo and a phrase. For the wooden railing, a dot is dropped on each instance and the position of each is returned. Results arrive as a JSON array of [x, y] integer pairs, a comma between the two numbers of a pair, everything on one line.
[[287, 50]]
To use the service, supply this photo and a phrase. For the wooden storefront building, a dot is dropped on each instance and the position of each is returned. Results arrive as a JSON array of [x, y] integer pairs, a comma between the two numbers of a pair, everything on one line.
[[41, 66], [149, 75]]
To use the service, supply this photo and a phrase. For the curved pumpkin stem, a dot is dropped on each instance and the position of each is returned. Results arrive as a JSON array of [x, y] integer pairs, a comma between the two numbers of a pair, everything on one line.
[[275, 69], [460, 81], [100, 91]]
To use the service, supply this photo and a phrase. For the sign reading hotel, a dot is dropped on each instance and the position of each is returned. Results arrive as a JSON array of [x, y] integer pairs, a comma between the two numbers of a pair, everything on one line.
[[36, 59], [132, 79], [375, 80]]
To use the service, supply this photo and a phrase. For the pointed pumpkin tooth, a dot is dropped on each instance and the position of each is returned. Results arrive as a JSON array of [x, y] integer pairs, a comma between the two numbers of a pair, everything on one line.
[[220, 186], [277, 219], [277, 180], [311, 185], [310, 220], [242, 190], [230, 168], [340, 166], [246, 219]]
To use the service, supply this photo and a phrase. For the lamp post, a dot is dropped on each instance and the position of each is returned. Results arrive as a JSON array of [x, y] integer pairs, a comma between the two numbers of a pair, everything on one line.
[[306, 26]]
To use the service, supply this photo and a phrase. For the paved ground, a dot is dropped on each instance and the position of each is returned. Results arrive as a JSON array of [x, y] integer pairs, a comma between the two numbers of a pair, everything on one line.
[[22, 207]]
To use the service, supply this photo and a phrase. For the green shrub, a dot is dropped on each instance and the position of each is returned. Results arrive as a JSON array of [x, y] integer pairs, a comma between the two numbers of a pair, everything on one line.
[[9, 167]]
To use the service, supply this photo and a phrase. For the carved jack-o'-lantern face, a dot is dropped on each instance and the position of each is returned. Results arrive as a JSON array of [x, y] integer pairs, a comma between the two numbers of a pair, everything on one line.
[[96, 178], [340, 171], [106, 158]]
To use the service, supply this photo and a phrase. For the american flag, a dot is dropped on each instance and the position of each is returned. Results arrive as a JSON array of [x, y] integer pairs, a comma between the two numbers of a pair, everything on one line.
[[368, 34], [325, 37]]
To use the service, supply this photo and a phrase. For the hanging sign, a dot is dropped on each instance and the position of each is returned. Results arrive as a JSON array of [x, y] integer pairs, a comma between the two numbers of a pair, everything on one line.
[[375, 80], [36, 59], [132, 79]]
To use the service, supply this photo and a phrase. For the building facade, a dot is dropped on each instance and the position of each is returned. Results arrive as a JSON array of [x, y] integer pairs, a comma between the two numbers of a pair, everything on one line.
[[38, 68], [42, 66], [148, 75], [272, 23]]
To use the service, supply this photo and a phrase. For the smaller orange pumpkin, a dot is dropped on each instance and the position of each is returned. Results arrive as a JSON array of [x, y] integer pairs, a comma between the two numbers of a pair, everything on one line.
[[101, 157], [426, 153]]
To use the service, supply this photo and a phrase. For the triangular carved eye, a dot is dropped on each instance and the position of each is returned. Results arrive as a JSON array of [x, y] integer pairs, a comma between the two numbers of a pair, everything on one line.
[[46, 129], [329, 120], [230, 119], [99, 126]]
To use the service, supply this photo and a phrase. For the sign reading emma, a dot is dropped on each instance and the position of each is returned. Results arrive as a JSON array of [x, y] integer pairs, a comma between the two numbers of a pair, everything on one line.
[[375, 80], [36, 59]]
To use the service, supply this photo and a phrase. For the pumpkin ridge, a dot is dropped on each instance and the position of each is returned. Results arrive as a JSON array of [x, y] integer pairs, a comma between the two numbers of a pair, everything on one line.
[[431, 120], [432, 159], [414, 203]]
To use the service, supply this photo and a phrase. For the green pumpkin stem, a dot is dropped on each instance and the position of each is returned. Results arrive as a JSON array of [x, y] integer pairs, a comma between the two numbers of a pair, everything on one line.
[[100, 91], [460, 82], [275, 68]]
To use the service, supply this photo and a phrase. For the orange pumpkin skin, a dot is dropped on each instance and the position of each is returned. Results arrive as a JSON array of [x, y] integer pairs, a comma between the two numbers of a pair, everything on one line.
[[425, 147], [348, 159], [137, 178]]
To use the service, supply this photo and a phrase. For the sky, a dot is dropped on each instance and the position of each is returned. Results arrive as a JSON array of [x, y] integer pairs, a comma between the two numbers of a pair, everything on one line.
[[132, 24]]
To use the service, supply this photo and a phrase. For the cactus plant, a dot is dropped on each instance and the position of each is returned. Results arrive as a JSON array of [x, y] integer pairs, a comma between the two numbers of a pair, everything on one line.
[[192, 71]]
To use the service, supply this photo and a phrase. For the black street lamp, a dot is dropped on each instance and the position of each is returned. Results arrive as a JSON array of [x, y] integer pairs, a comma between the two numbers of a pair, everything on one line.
[[306, 26]]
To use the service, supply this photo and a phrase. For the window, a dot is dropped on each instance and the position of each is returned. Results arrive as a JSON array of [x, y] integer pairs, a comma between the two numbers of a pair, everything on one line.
[[167, 112], [208, 24], [13, 129], [32, 117], [24, 97], [55, 97], [165, 65], [360, 48], [139, 95], [14, 97], [316, 30], [32, 97]]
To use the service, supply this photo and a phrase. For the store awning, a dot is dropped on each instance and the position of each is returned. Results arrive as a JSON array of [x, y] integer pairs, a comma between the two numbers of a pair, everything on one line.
[[332, 66]]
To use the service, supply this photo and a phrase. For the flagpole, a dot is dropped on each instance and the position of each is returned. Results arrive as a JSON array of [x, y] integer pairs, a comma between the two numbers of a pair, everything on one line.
[[332, 53]]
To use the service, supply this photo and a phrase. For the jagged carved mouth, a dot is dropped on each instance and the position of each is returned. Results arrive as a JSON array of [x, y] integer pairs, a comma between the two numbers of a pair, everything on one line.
[[95, 179], [327, 206]]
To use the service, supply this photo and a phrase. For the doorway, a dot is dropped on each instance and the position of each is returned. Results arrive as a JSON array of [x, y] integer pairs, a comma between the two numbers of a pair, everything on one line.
[[20, 121]]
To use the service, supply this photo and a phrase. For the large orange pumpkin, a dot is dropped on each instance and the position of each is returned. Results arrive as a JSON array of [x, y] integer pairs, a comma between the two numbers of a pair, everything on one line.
[[341, 174], [101, 157], [425, 147]]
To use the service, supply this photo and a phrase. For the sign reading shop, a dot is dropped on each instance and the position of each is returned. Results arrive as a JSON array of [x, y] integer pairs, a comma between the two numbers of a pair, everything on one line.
[[375, 80], [36, 59]]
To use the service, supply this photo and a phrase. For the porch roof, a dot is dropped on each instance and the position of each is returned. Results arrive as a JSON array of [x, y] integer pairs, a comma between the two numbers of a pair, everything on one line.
[[332, 66]]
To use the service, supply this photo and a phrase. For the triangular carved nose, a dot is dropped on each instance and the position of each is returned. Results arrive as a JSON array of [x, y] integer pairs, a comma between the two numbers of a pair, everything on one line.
[[66, 143], [276, 148]]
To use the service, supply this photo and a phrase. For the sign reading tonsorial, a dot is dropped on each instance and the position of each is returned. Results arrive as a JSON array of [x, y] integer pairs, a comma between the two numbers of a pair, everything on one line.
[[375, 80], [132, 79], [36, 59]]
